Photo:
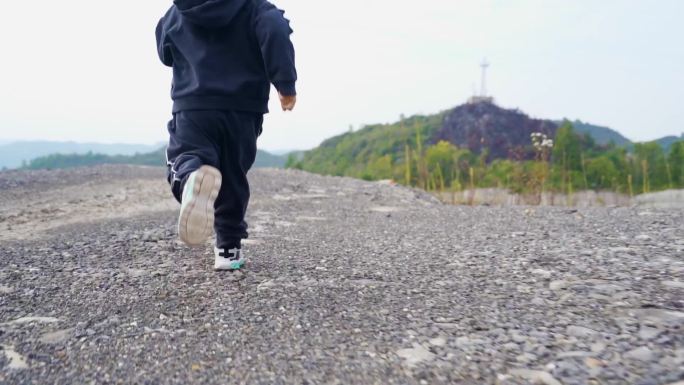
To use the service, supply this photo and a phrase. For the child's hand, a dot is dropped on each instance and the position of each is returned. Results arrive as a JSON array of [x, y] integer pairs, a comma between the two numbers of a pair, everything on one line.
[[287, 102]]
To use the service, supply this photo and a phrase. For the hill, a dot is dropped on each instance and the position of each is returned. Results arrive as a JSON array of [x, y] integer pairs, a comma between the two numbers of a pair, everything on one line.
[[668, 141], [504, 133], [483, 145], [602, 135], [605, 135], [154, 158], [267, 159], [12, 154], [351, 153]]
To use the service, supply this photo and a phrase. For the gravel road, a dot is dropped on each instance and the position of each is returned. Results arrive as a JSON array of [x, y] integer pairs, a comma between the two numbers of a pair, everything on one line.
[[348, 282]]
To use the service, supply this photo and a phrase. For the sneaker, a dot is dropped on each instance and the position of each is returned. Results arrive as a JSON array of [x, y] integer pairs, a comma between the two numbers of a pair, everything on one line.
[[233, 260], [196, 219]]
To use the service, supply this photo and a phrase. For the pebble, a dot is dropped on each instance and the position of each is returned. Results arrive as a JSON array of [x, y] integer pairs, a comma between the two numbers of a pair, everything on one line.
[[660, 316], [56, 337], [16, 360], [462, 341], [545, 274], [679, 356], [622, 250], [673, 284], [579, 331], [136, 273], [573, 354], [510, 346], [438, 341], [592, 362], [6, 290], [649, 333], [24, 320], [642, 354], [598, 347], [535, 376], [526, 357], [235, 276], [414, 356], [607, 288], [519, 338], [266, 285], [558, 285]]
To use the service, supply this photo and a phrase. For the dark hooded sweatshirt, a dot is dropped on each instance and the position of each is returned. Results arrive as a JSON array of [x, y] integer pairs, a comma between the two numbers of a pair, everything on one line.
[[225, 54]]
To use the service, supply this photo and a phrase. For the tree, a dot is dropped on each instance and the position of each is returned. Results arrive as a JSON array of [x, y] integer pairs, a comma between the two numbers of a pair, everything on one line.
[[675, 159], [500, 174], [407, 165], [444, 158], [379, 168], [651, 166], [601, 173], [567, 148], [443, 154], [293, 162], [566, 158]]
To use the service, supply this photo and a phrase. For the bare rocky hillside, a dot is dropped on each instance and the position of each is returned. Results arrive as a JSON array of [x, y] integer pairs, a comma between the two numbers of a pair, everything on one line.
[[504, 133]]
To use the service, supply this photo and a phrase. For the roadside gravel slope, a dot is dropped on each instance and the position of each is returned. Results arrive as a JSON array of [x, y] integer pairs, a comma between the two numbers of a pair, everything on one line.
[[348, 282]]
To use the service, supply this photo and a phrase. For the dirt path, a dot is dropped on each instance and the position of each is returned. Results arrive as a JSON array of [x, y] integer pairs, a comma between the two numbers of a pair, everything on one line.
[[348, 282], [35, 211]]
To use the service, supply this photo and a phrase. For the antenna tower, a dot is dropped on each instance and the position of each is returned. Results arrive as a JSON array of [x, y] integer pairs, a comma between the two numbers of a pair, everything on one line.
[[483, 88], [482, 97]]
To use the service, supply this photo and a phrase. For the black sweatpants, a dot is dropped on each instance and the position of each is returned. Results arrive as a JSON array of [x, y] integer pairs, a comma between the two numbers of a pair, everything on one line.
[[225, 140]]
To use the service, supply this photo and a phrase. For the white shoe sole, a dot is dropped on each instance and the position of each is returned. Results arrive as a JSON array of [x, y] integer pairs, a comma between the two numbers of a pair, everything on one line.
[[223, 264], [196, 220]]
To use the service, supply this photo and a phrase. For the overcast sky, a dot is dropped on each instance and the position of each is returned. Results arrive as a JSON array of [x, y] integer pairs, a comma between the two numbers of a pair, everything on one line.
[[87, 70]]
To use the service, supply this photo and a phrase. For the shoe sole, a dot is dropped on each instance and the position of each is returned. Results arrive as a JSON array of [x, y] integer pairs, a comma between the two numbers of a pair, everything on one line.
[[196, 220], [234, 265]]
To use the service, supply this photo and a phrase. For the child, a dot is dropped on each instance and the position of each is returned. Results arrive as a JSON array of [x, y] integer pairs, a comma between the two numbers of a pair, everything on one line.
[[224, 54]]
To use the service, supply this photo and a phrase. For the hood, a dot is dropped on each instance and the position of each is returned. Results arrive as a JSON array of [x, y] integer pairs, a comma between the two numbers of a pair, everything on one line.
[[209, 13]]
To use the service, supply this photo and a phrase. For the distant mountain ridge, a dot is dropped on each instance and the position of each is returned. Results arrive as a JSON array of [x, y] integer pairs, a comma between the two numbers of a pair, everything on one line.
[[668, 141], [12, 154], [605, 135], [154, 158], [602, 135], [47, 154]]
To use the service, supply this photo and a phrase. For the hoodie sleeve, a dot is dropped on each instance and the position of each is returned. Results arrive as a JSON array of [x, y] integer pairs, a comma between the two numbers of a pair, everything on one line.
[[273, 33], [163, 45]]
